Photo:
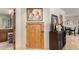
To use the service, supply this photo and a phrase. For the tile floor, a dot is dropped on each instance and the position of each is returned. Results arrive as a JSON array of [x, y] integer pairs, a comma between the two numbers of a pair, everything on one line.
[[6, 46], [72, 42]]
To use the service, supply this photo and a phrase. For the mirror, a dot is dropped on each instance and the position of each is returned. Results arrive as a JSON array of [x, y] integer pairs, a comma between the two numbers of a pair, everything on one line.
[[5, 21]]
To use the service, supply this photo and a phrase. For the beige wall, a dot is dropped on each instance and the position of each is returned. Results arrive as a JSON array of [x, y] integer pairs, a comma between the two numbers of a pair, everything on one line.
[[47, 21], [21, 20], [58, 12], [18, 37]]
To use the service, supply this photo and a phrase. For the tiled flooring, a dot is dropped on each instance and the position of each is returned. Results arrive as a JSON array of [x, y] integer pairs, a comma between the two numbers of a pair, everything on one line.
[[6, 46], [72, 42]]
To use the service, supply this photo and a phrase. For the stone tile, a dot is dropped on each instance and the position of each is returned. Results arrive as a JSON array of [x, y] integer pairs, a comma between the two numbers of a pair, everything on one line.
[[72, 42]]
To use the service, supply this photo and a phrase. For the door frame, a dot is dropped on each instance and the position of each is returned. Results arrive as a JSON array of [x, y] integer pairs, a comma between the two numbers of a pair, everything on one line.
[[14, 27]]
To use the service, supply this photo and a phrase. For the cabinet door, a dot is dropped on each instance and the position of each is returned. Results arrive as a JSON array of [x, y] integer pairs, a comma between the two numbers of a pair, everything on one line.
[[53, 36], [3, 36], [35, 36]]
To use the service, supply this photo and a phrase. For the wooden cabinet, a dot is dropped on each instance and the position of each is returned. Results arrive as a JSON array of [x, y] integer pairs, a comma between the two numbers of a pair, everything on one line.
[[57, 40], [53, 40], [4, 34]]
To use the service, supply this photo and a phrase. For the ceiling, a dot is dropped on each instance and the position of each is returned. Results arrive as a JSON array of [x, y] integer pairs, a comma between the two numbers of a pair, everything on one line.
[[71, 11]]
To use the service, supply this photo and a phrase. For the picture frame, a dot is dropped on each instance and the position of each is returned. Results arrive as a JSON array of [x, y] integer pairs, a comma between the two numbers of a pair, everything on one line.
[[54, 22], [34, 14], [54, 19], [61, 19]]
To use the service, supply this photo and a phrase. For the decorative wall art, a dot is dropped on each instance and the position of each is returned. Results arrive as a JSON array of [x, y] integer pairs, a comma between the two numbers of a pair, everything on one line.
[[54, 22], [61, 19], [54, 19], [34, 14]]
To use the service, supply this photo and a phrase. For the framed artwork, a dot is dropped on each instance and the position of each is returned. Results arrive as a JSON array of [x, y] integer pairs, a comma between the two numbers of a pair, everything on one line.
[[54, 22], [54, 19], [61, 19], [34, 14]]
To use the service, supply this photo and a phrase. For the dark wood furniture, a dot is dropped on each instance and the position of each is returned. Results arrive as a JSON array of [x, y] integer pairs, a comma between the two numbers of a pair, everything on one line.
[[69, 30], [78, 30], [73, 30], [57, 40], [4, 34]]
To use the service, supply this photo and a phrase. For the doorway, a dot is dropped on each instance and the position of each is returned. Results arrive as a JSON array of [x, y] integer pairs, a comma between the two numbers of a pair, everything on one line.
[[7, 29], [35, 35]]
